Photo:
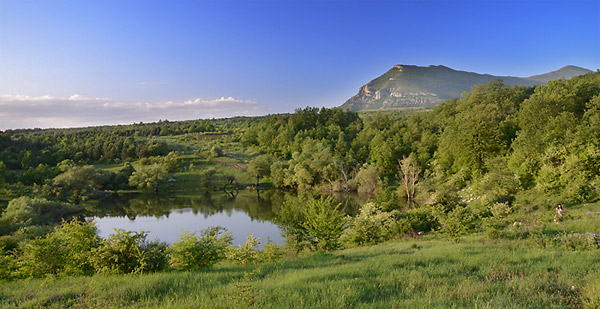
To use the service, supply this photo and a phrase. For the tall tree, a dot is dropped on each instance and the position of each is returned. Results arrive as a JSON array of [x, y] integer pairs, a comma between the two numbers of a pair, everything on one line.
[[260, 167], [409, 176], [148, 177]]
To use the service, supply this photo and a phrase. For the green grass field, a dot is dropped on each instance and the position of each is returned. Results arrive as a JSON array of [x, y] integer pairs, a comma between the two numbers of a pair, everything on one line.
[[424, 273]]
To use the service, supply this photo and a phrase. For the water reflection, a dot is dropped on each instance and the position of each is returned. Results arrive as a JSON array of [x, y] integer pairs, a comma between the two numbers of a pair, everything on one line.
[[164, 216]]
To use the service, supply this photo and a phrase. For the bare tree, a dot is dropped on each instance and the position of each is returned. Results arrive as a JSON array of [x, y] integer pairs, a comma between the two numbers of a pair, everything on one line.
[[409, 176]]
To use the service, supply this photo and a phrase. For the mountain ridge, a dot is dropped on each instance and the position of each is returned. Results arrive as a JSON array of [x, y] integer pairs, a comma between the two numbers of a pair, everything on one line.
[[405, 86]]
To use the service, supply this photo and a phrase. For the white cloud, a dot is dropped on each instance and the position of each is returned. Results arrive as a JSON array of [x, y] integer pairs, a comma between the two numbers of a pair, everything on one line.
[[19, 111]]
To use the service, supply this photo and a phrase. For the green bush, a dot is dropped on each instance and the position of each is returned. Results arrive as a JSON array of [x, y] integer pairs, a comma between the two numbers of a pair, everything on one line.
[[127, 252], [245, 253], [216, 151], [68, 250], [371, 226], [311, 223], [26, 211], [8, 265], [421, 219], [271, 252], [193, 251], [323, 224], [456, 222]]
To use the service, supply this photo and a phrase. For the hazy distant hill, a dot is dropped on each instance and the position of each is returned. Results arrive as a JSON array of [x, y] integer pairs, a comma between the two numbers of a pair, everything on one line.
[[414, 86]]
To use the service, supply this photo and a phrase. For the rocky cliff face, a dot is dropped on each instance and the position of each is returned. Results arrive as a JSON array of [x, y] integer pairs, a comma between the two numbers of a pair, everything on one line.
[[406, 86]]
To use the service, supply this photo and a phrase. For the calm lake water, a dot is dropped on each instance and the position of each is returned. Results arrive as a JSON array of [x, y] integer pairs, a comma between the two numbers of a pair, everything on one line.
[[165, 216]]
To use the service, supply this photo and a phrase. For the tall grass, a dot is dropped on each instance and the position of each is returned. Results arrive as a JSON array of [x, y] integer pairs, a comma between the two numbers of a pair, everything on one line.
[[416, 274]]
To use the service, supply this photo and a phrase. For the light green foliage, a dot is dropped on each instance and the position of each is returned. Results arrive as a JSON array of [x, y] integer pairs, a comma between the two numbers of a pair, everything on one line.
[[388, 199], [311, 223], [206, 177], [8, 266], [245, 253], [501, 210], [482, 127], [74, 185], [260, 167], [323, 224], [558, 119], [216, 151], [281, 176], [25, 211], [148, 177], [368, 179], [456, 222], [371, 226], [419, 219], [171, 162], [128, 252], [499, 184], [68, 250], [309, 166], [271, 252], [193, 251]]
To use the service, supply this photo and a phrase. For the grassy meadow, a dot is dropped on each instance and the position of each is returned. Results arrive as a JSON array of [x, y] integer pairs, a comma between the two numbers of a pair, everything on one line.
[[416, 273]]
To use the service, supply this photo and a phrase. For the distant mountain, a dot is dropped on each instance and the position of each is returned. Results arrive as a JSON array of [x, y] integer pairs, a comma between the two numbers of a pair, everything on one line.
[[567, 72], [414, 86]]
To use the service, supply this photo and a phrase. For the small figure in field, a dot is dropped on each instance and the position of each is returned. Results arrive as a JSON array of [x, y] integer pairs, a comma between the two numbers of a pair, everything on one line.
[[559, 214]]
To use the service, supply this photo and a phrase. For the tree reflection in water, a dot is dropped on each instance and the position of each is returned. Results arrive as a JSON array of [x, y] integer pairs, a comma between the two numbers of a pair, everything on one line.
[[257, 206]]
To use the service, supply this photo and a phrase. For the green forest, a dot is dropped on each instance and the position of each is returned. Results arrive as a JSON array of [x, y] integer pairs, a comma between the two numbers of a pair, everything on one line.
[[448, 190]]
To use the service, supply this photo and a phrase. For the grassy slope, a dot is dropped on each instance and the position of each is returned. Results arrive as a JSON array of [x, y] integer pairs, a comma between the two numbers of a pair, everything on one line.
[[417, 273]]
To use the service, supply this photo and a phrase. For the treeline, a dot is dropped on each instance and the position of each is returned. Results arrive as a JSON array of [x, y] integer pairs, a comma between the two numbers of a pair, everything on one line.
[[31, 156], [499, 138]]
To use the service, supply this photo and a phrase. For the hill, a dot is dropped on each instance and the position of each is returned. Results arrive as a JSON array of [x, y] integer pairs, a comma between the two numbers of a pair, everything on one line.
[[414, 86]]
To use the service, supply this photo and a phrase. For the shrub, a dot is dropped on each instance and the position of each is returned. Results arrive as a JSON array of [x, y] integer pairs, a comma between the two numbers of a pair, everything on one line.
[[456, 222], [271, 252], [193, 251], [26, 211], [8, 266], [216, 151], [312, 223], [421, 219], [323, 224], [67, 250], [127, 252], [371, 226], [245, 253]]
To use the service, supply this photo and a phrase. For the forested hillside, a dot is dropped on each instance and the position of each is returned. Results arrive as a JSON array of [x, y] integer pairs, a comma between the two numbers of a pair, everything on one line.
[[543, 138]]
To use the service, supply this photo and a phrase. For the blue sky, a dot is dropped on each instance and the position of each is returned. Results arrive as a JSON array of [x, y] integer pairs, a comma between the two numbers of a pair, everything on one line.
[[78, 63]]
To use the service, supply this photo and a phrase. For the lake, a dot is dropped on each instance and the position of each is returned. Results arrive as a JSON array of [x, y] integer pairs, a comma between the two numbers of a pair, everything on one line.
[[165, 216]]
